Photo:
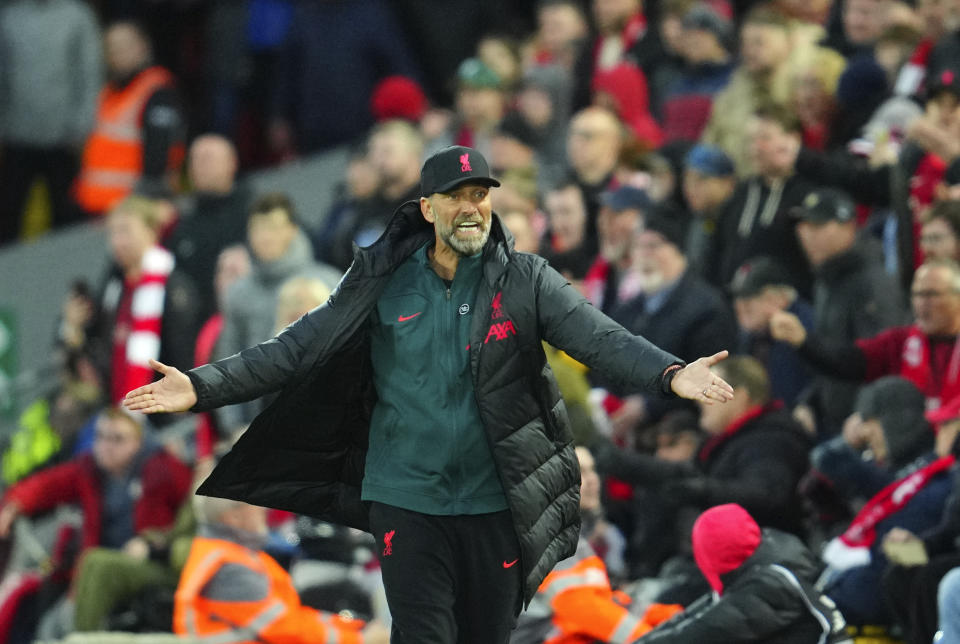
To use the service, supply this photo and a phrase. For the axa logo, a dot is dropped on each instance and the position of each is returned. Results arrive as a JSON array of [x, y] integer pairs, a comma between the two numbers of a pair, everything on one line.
[[500, 331], [465, 163], [388, 543]]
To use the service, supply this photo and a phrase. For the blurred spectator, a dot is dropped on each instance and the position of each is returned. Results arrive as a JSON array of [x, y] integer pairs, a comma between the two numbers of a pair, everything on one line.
[[861, 90], [813, 96], [761, 78], [893, 49], [347, 62], [231, 588], [146, 308], [212, 217], [621, 216], [233, 263], [622, 89], [905, 178], [47, 430], [567, 228], [525, 239], [708, 65], [920, 561], [620, 29], [896, 432], [395, 152], [561, 34], [361, 181], [863, 21], [137, 141], [398, 97], [481, 102], [855, 463], [854, 297], [923, 352], [576, 601], [708, 182], [543, 101], [939, 48], [113, 588], [661, 53], [673, 306], [126, 485], [760, 288], [754, 456], [50, 53], [762, 583], [594, 141], [756, 221], [940, 235], [280, 250], [518, 191], [298, 296], [513, 144], [949, 187], [501, 54]]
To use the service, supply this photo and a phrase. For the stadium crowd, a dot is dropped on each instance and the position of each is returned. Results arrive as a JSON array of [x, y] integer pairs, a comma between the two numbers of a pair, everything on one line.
[[776, 178]]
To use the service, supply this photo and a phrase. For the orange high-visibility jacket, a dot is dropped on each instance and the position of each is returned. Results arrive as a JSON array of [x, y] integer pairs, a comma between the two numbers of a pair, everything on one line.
[[276, 617], [586, 609], [113, 156]]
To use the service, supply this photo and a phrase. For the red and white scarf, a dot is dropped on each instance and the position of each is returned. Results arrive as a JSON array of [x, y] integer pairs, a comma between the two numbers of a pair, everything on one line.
[[142, 343], [852, 548]]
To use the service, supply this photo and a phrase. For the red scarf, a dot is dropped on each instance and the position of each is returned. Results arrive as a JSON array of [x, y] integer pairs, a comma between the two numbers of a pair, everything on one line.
[[915, 366], [852, 548], [137, 336], [716, 441]]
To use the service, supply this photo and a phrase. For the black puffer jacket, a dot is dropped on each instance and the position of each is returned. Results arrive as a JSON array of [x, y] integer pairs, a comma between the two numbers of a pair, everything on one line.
[[305, 453], [769, 599]]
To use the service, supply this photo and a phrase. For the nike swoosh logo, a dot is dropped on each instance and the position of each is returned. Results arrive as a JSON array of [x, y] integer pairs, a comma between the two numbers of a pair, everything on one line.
[[509, 565], [404, 318]]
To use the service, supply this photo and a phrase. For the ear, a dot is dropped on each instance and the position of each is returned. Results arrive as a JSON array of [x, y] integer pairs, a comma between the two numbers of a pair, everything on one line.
[[426, 209]]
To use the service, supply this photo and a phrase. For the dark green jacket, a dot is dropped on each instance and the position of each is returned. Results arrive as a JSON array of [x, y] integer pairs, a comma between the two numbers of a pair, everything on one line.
[[428, 451], [306, 452]]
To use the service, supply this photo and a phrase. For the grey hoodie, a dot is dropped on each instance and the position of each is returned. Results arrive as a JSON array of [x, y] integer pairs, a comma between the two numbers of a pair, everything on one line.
[[50, 72], [250, 309]]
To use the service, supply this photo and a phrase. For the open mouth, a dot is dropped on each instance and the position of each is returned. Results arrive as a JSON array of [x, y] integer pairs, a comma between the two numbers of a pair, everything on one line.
[[469, 228]]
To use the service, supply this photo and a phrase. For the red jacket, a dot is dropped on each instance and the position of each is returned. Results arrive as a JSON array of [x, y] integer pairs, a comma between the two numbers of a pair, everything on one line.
[[163, 479]]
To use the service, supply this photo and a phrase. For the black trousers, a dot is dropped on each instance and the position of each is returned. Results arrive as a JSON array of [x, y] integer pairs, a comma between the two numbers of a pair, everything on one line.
[[19, 166], [911, 594], [449, 579]]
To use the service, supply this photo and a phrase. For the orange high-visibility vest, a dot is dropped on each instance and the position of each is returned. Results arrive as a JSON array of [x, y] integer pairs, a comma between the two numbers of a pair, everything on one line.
[[584, 608], [113, 156], [277, 618]]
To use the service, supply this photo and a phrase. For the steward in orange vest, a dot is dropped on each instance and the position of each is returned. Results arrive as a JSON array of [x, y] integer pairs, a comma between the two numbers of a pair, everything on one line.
[[576, 605], [231, 591], [139, 129]]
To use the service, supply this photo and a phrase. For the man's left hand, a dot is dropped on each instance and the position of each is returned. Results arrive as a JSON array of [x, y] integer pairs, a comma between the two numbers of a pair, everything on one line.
[[697, 381]]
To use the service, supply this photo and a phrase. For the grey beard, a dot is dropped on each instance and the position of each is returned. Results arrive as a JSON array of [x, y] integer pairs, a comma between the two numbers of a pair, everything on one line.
[[464, 248]]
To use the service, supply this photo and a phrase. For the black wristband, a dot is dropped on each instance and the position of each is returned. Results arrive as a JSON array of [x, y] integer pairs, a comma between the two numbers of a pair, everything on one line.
[[666, 378]]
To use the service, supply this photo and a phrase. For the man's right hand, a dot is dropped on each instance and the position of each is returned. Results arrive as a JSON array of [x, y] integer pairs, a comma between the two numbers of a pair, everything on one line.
[[173, 392], [786, 327]]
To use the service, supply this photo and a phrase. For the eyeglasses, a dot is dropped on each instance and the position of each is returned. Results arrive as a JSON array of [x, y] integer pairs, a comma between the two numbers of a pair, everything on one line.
[[111, 437], [925, 295]]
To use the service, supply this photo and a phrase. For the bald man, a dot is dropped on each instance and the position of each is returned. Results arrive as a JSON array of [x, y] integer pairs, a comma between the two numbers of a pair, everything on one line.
[[213, 217]]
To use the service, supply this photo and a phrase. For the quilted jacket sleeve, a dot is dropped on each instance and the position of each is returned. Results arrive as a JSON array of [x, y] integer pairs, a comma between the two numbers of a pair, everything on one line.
[[569, 322]]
